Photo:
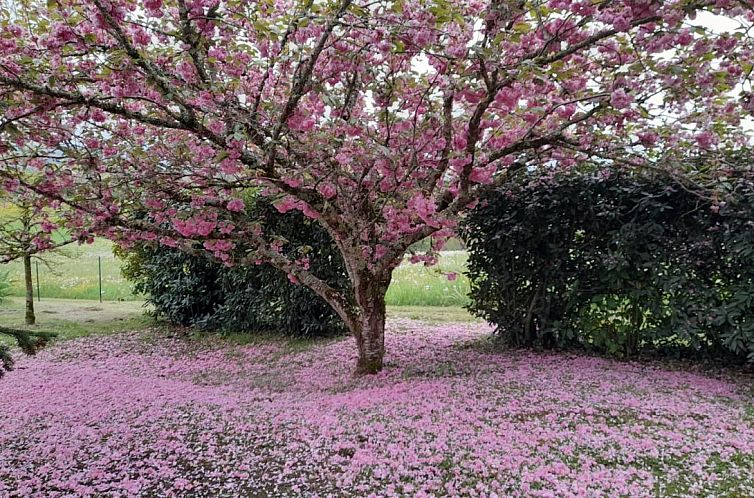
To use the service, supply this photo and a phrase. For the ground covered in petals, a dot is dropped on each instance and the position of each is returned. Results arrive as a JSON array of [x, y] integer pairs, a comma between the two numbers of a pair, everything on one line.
[[140, 414]]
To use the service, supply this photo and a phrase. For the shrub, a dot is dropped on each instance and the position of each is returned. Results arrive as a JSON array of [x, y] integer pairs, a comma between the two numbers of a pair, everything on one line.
[[618, 264], [194, 290]]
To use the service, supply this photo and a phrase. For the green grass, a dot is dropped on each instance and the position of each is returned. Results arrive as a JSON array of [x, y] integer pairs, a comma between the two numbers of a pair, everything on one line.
[[72, 318], [72, 274], [431, 314], [417, 285]]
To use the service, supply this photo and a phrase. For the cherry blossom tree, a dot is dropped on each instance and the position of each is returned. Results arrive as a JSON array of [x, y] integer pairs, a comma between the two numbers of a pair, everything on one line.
[[384, 120]]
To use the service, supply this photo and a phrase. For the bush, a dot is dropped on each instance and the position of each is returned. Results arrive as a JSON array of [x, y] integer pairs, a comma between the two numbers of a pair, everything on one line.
[[617, 264], [197, 291]]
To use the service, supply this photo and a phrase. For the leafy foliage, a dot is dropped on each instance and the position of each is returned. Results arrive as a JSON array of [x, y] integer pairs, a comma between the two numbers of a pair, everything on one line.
[[193, 290], [384, 121], [617, 264]]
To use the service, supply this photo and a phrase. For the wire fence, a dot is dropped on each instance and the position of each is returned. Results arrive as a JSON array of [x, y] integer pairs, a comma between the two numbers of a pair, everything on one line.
[[81, 272]]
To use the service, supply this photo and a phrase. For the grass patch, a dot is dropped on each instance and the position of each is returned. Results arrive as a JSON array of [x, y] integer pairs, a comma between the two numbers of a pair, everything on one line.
[[749, 414], [289, 344], [488, 344], [418, 285], [432, 314], [71, 273], [72, 318]]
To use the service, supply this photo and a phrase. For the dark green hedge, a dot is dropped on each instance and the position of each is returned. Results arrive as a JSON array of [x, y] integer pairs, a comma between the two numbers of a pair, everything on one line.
[[618, 264], [198, 291]]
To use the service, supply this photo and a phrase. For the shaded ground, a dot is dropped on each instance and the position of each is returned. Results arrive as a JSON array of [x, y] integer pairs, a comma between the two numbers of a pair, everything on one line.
[[142, 414], [74, 317]]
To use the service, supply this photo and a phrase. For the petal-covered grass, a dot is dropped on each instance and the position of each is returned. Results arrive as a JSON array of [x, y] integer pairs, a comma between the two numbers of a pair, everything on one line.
[[72, 318], [142, 414]]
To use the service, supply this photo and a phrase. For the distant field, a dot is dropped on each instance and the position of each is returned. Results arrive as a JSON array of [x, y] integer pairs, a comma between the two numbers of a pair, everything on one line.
[[72, 274], [418, 285]]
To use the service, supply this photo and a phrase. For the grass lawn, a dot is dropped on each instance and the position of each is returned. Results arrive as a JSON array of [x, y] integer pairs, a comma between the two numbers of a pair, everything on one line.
[[77, 318], [72, 273], [418, 285], [72, 318], [431, 314]]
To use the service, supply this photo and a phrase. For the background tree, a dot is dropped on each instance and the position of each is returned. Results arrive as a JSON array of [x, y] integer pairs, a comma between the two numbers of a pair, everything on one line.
[[26, 231], [194, 289], [384, 120]]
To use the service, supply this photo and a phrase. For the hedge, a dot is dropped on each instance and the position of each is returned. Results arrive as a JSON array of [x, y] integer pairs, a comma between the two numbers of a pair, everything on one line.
[[198, 291], [619, 264]]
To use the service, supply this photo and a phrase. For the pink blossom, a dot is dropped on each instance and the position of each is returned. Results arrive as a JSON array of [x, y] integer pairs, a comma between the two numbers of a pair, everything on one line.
[[327, 190], [287, 204], [620, 99], [235, 205], [153, 5], [482, 175], [705, 139]]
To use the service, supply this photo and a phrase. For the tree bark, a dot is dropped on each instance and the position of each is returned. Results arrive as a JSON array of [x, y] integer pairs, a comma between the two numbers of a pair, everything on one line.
[[369, 329], [363, 313], [30, 316]]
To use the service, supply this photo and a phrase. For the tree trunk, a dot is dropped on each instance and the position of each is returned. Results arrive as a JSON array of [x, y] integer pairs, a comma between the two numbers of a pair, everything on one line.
[[30, 316], [632, 343], [369, 328]]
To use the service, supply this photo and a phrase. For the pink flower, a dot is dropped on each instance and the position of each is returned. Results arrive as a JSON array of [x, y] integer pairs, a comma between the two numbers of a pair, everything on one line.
[[482, 175], [293, 182], [620, 99], [327, 190], [706, 139], [235, 205], [648, 138], [153, 5], [287, 204], [216, 127]]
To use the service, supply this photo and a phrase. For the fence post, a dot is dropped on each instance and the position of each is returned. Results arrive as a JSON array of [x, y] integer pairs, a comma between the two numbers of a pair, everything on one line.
[[36, 265], [99, 271]]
